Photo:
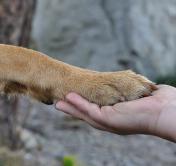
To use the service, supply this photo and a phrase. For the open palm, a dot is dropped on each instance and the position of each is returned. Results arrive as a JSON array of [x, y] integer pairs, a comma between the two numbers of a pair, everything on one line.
[[153, 115]]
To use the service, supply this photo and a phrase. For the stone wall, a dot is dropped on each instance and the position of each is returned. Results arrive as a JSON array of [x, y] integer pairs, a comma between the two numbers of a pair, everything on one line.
[[109, 34]]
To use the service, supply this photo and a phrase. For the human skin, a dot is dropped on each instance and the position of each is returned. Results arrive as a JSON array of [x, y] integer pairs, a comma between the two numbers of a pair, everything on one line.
[[153, 115]]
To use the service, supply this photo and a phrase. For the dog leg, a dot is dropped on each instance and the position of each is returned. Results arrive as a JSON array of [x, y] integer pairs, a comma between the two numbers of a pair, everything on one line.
[[24, 71]]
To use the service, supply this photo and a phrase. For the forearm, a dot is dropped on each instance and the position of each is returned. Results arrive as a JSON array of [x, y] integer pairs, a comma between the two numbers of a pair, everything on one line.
[[30, 73], [28, 65]]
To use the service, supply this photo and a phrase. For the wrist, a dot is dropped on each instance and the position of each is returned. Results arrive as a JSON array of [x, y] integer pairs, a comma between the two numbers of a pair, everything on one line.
[[165, 124]]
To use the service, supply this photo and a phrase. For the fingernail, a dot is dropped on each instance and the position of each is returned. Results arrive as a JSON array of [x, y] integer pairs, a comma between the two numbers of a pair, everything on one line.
[[70, 96], [58, 105]]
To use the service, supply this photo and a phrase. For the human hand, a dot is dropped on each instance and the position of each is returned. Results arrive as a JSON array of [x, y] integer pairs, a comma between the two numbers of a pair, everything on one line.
[[154, 115]]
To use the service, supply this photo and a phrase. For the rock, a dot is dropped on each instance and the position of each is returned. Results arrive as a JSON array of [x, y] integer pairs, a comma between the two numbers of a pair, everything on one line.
[[153, 36], [29, 140], [109, 34]]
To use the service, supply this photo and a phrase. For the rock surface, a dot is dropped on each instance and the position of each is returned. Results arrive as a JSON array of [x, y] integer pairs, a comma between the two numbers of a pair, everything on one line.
[[109, 34]]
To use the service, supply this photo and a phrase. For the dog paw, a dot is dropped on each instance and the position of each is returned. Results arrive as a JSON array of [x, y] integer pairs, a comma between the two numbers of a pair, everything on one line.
[[111, 88]]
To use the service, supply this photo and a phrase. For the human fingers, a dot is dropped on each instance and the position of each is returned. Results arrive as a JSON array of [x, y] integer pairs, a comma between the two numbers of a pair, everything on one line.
[[70, 109], [90, 109]]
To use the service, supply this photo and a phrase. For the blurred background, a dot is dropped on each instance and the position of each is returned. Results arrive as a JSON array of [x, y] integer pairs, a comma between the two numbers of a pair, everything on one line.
[[104, 35]]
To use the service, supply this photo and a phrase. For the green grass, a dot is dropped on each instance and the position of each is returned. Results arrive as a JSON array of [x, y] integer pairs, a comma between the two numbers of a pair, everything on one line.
[[2, 163], [69, 161], [169, 80]]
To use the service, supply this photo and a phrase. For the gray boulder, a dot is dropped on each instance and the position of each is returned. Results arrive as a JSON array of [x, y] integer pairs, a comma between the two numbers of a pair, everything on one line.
[[109, 35]]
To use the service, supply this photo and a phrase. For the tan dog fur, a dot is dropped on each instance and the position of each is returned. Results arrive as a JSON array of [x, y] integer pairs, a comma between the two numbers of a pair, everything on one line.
[[28, 72]]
